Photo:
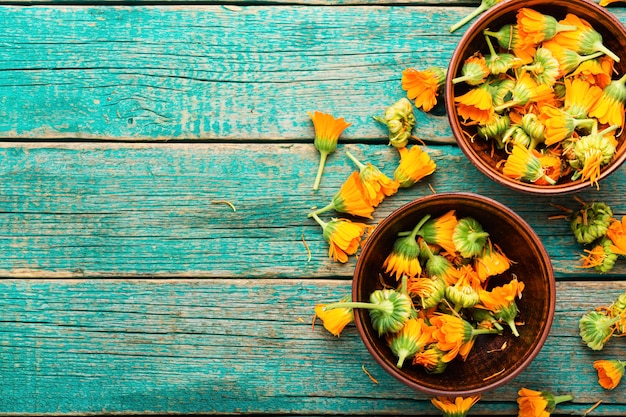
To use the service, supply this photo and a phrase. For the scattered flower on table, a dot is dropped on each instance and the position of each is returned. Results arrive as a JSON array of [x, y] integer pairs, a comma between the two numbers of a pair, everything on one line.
[[400, 121], [538, 403], [350, 199], [610, 372], [376, 185], [327, 132], [343, 236], [336, 319], [424, 86], [455, 407], [415, 164], [598, 326]]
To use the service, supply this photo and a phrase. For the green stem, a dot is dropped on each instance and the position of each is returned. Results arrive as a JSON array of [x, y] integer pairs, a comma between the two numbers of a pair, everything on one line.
[[476, 332], [460, 79], [318, 220], [584, 58], [608, 130], [586, 123], [511, 324], [386, 308], [329, 207], [356, 161], [492, 50], [599, 46], [506, 105], [401, 357], [562, 398], [565, 28], [320, 169], [469, 17]]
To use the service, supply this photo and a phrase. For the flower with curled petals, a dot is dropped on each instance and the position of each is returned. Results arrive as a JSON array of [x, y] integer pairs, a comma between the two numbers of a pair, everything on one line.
[[455, 407], [343, 236], [610, 372]]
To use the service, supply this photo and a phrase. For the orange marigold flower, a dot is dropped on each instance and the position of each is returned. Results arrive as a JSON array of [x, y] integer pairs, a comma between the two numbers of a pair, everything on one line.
[[584, 39], [327, 132], [527, 90], [610, 372], [343, 236], [336, 319], [596, 71], [537, 403], [455, 407], [600, 256], [501, 302], [476, 105], [474, 70], [414, 335], [454, 335], [404, 257], [492, 262], [525, 165], [415, 164], [376, 185], [551, 165], [609, 108], [350, 199], [535, 27], [510, 38], [617, 234], [423, 86], [439, 231], [431, 359], [580, 95]]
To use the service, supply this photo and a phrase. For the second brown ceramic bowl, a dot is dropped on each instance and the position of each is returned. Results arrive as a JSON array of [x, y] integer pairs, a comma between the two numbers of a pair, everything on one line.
[[479, 151], [495, 359]]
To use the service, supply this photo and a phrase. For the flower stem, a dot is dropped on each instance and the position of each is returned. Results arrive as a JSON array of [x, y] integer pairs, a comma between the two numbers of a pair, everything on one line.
[[318, 220], [356, 161], [599, 46], [469, 17], [492, 51], [460, 79], [386, 307], [513, 327], [562, 398], [320, 169], [476, 332], [506, 105], [329, 207]]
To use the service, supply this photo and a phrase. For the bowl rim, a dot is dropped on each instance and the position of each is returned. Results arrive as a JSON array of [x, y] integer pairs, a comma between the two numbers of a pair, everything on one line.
[[453, 118], [540, 340]]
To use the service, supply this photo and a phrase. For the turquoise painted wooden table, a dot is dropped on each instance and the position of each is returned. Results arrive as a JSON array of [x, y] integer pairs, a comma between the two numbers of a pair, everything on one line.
[[129, 287]]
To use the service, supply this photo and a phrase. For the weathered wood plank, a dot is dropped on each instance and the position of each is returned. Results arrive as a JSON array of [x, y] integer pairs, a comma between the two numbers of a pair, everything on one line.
[[94, 210], [210, 72], [238, 346]]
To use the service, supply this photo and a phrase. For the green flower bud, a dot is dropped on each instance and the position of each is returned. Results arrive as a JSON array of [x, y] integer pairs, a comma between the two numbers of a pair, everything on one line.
[[400, 121], [544, 68], [496, 129], [462, 296], [515, 135], [395, 309], [596, 328], [469, 237], [534, 128], [431, 359], [591, 221], [501, 91]]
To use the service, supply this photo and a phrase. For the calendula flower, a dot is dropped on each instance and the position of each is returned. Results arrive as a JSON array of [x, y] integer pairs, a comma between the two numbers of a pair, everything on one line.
[[455, 336], [527, 90], [389, 309], [414, 335], [430, 291], [400, 121], [580, 95], [431, 359], [509, 38], [551, 165], [462, 294], [524, 165], [568, 60], [596, 71], [349, 199], [423, 86], [535, 27], [436, 265], [584, 39], [376, 185], [596, 328], [544, 68], [327, 132], [484, 6], [343, 236], [560, 125], [609, 107], [592, 152], [591, 221], [501, 302], [455, 407], [415, 164], [515, 135], [404, 257], [616, 232], [535, 129], [336, 319], [474, 70], [438, 231], [500, 63], [476, 105], [600, 256], [496, 129], [610, 372], [492, 261], [538, 403], [469, 237]]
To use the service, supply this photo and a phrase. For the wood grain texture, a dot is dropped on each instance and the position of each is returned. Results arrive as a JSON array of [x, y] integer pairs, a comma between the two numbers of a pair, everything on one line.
[[103, 210], [211, 72], [244, 346]]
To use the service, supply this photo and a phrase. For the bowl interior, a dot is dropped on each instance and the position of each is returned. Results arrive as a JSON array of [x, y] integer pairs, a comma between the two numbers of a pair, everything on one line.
[[494, 359], [479, 151]]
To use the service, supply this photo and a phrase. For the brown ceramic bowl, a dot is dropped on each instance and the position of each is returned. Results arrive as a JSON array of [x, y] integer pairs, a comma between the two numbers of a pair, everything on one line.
[[479, 151], [487, 366]]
